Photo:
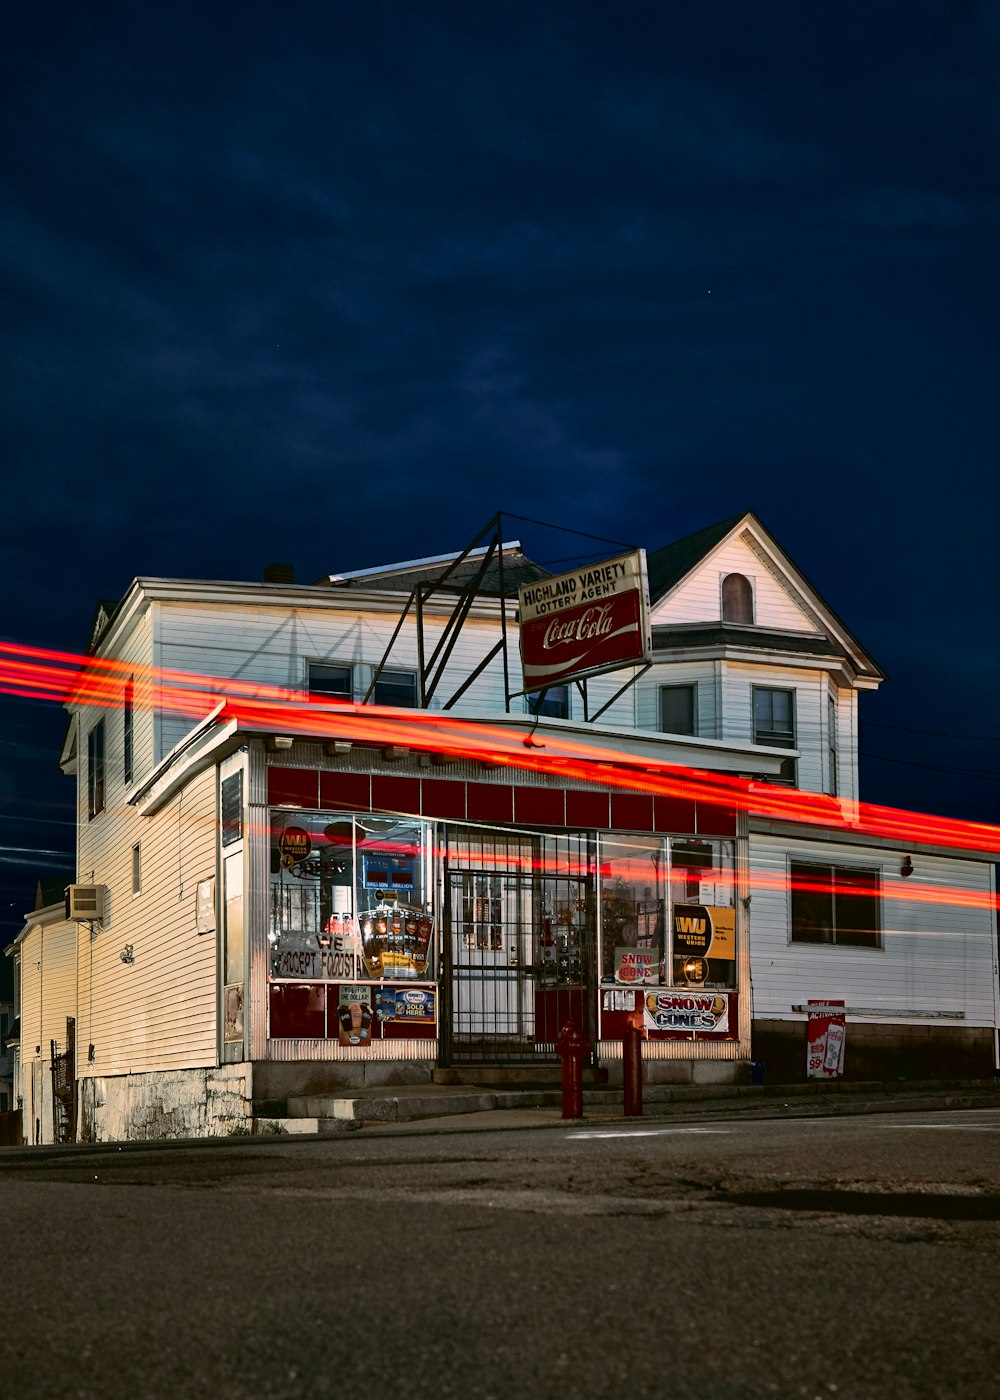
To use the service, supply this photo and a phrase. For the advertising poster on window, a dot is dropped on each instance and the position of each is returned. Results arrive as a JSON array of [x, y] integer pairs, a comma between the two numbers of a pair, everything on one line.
[[581, 623], [825, 1034], [396, 941], [637, 966], [405, 1005], [354, 1013]]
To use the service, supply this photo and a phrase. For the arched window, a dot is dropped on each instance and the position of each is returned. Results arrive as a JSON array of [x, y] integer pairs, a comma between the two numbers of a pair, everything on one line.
[[737, 599]]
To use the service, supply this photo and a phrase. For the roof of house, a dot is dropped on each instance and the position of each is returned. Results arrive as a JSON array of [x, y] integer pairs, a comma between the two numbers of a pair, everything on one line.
[[669, 564]]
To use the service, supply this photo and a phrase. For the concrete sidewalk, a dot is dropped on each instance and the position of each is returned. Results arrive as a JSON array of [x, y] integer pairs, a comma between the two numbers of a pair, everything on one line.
[[464, 1108]]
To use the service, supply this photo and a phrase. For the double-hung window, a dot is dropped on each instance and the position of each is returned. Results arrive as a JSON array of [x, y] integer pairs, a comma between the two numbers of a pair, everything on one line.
[[95, 770], [344, 682], [128, 726], [774, 725], [679, 709], [335, 681], [835, 904], [397, 688]]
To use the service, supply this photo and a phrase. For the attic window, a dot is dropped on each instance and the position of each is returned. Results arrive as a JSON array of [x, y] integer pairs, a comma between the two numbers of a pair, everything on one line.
[[737, 599]]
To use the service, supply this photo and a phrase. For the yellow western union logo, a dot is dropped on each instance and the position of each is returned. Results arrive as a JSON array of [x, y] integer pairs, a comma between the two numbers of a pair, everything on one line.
[[690, 925]]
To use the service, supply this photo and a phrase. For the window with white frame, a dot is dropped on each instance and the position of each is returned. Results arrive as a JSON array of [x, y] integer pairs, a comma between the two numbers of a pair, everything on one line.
[[737, 599], [831, 714], [95, 770], [679, 709], [774, 725], [397, 688], [837, 904], [128, 703], [335, 681], [137, 868]]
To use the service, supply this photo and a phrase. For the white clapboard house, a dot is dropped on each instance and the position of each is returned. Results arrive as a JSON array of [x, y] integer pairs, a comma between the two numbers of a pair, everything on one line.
[[323, 841]]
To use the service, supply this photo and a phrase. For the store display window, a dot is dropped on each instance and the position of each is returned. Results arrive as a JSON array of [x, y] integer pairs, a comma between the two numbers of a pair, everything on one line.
[[351, 898]]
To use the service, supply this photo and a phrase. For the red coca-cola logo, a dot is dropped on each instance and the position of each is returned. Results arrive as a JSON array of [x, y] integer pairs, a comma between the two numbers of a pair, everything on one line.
[[595, 622]]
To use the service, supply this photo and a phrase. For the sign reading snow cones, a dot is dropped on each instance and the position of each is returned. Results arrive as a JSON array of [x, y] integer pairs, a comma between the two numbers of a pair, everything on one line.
[[591, 620]]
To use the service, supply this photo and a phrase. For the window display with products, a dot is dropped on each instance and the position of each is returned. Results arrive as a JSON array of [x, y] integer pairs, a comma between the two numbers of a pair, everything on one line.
[[668, 916], [351, 898]]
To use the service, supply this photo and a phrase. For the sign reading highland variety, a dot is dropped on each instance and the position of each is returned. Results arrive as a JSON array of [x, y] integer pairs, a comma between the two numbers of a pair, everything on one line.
[[591, 620]]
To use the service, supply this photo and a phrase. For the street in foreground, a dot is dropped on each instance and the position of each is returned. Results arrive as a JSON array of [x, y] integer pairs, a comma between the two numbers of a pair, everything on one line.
[[820, 1257]]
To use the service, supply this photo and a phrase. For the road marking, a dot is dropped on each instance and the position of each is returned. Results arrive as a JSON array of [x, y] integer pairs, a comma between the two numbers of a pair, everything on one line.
[[640, 1132], [948, 1127]]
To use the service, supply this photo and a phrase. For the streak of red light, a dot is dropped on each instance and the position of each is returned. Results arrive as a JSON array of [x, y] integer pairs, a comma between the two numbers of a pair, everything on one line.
[[34, 673]]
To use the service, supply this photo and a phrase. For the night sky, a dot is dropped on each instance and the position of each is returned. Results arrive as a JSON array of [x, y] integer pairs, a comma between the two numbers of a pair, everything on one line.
[[334, 283]]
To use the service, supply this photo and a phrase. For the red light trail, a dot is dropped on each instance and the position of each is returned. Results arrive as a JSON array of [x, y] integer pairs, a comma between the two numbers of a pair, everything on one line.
[[74, 680]]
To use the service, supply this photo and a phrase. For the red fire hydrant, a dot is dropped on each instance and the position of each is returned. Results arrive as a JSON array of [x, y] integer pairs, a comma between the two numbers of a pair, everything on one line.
[[632, 1065], [573, 1048]]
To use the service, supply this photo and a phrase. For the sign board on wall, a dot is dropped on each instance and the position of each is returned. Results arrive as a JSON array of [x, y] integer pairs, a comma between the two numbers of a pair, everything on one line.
[[825, 1034], [686, 1011], [581, 623]]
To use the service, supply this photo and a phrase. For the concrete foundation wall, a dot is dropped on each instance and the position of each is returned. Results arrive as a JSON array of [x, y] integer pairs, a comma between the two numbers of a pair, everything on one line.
[[167, 1104], [275, 1081], [878, 1051]]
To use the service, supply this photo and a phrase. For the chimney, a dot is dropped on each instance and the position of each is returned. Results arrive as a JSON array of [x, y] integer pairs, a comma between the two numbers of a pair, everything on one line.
[[279, 573]]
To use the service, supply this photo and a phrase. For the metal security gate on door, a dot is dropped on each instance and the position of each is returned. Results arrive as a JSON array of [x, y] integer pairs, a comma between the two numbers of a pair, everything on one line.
[[519, 944]]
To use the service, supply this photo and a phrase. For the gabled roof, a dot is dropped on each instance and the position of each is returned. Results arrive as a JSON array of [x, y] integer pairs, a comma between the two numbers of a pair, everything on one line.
[[671, 563], [666, 568], [103, 613]]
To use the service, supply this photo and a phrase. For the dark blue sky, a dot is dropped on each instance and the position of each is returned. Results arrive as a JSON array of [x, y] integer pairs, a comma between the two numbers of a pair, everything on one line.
[[333, 283]]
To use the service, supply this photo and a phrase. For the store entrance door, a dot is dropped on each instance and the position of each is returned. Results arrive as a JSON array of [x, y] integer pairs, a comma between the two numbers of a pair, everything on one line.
[[519, 916]]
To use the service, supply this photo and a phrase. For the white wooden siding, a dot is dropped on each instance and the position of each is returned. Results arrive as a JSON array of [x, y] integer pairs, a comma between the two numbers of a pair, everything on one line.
[[158, 1012], [935, 956], [706, 675], [274, 646], [698, 597]]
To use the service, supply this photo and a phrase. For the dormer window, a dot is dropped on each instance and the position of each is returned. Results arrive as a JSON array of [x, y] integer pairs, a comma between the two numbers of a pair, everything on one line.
[[737, 599]]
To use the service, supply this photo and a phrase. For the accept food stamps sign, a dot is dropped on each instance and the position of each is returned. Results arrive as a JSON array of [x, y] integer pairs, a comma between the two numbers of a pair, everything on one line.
[[591, 620]]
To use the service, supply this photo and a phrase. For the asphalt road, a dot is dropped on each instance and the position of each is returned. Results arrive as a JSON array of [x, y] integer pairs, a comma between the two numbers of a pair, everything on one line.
[[814, 1257]]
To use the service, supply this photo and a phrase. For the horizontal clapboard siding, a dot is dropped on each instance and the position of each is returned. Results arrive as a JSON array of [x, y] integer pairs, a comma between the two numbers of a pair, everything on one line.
[[160, 1011], [936, 956], [274, 646]]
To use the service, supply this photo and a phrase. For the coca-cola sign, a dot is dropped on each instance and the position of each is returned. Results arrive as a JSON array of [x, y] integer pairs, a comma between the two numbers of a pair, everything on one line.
[[577, 624]]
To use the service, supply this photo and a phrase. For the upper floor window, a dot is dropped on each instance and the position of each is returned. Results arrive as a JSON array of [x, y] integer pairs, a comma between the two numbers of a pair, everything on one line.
[[774, 725], [832, 742], [396, 688], [393, 687], [95, 769], [737, 599], [127, 729], [331, 680], [835, 904], [679, 709], [553, 702]]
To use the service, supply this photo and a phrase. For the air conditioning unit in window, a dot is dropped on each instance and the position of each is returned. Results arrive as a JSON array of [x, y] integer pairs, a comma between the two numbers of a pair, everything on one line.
[[85, 903]]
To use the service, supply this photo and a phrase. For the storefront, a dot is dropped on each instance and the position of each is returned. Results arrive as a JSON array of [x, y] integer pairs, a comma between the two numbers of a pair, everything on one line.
[[472, 922]]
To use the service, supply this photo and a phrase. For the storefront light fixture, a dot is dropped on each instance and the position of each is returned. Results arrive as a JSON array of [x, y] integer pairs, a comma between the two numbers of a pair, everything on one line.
[[906, 869], [277, 742]]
